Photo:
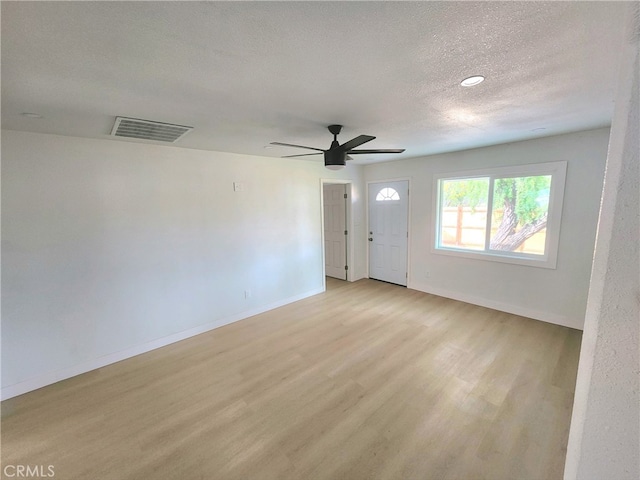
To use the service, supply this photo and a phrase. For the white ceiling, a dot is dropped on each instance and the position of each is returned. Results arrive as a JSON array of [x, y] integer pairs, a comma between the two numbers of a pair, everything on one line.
[[248, 73]]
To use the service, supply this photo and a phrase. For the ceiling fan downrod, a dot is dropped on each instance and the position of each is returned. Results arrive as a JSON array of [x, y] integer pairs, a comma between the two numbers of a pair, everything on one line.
[[335, 130]]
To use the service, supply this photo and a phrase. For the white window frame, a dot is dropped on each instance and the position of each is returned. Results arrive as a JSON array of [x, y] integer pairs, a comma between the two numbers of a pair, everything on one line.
[[558, 172]]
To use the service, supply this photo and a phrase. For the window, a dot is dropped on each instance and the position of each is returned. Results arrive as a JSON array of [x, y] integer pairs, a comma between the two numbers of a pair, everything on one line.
[[509, 214], [387, 194]]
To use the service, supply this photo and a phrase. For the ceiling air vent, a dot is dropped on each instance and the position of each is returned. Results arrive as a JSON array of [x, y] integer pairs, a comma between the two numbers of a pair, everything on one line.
[[148, 130]]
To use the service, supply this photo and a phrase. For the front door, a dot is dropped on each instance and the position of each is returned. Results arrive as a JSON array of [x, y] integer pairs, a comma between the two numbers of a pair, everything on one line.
[[335, 221], [388, 233]]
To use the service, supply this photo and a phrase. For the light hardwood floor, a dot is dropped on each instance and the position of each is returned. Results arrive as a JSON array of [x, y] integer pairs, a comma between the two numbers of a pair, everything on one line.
[[366, 381]]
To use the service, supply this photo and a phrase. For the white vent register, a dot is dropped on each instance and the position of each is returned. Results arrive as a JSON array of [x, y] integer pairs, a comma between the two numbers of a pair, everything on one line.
[[148, 130]]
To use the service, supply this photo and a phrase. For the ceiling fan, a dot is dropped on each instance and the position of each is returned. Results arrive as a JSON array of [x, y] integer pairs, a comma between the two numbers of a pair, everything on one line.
[[336, 156]]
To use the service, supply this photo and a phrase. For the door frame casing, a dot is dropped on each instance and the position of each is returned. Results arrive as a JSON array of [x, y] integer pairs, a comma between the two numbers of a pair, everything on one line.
[[349, 225], [398, 179]]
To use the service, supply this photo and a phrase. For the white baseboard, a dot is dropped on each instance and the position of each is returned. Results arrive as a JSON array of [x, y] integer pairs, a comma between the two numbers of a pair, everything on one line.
[[548, 317], [84, 367]]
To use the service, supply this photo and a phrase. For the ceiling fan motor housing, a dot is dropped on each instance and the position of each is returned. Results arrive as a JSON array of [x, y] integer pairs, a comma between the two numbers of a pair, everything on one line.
[[335, 157]]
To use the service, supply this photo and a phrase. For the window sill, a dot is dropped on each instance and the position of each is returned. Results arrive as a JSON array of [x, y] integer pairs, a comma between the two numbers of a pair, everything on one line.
[[539, 261]]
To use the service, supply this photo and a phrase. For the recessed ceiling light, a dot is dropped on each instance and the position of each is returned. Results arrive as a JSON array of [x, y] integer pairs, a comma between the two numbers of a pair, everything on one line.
[[32, 115], [472, 81]]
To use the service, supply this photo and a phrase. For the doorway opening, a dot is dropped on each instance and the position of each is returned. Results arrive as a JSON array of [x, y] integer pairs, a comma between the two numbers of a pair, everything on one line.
[[336, 235]]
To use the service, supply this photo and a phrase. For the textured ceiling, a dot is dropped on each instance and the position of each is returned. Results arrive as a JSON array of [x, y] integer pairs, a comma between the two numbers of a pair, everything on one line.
[[248, 73]]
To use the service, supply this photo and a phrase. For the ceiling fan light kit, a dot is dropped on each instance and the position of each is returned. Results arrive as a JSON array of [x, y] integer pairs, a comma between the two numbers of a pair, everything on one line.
[[337, 155], [335, 159]]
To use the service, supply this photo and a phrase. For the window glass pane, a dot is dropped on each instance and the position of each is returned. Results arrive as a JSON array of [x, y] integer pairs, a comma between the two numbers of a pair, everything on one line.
[[387, 194], [519, 214], [463, 213], [517, 221]]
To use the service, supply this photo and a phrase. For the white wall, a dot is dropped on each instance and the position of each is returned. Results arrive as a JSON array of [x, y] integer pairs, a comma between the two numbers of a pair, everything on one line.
[[112, 248], [553, 295], [604, 441]]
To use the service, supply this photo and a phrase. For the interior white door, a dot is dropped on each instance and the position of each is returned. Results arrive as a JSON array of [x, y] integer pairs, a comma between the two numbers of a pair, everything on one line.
[[335, 226], [388, 233]]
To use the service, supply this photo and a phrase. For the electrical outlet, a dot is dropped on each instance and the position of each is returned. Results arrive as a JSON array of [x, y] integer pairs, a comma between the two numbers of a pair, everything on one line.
[[247, 294], [237, 186]]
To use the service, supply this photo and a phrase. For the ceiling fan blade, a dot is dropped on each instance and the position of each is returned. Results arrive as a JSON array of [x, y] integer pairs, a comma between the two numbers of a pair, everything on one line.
[[355, 142], [380, 150], [297, 146], [301, 155]]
